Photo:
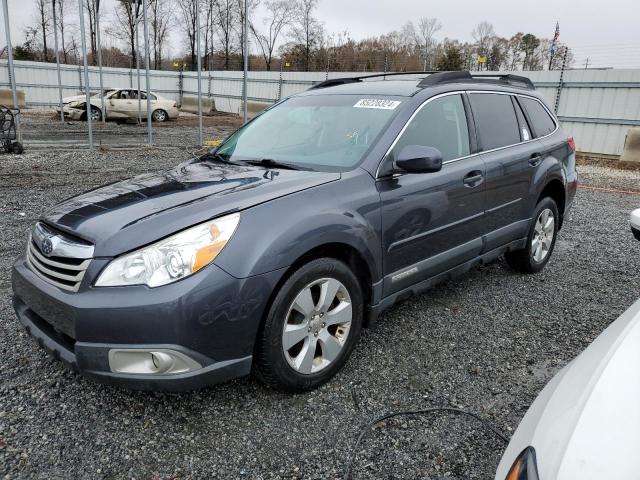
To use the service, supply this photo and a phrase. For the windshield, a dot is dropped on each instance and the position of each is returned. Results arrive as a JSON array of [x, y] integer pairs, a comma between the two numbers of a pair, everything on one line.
[[106, 92], [318, 132]]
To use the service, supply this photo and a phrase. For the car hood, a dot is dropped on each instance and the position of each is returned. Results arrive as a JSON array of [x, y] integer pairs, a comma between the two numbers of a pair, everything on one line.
[[73, 98], [131, 213], [585, 422]]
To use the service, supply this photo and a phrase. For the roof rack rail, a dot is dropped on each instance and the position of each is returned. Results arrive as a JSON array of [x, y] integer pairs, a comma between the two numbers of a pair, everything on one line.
[[332, 82], [445, 77], [436, 78], [509, 79], [465, 76]]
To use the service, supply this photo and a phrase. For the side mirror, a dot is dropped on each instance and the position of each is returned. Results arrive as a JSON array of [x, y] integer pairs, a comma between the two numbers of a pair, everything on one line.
[[419, 159]]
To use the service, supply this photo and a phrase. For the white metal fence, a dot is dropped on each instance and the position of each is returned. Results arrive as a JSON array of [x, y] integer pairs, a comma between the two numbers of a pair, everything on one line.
[[597, 107]]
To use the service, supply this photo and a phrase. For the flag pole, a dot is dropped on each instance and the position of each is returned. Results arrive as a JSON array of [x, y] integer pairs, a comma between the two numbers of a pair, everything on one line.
[[552, 52]]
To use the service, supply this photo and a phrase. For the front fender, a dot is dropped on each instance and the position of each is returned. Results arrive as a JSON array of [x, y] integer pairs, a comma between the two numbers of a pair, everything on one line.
[[275, 234]]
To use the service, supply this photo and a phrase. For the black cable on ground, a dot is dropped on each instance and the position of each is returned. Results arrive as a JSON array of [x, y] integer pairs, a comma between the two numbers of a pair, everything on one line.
[[373, 423]]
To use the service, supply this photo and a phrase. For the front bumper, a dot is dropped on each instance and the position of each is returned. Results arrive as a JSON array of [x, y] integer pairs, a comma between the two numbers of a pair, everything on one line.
[[211, 317], [71, 113]]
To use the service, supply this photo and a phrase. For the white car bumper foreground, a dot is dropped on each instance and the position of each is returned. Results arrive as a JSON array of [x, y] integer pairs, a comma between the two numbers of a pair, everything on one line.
[[585, 423], [635, 223]]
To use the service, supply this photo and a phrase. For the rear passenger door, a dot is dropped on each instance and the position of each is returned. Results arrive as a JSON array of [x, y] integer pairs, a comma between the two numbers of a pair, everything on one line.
[[432, 222], [511, 158]]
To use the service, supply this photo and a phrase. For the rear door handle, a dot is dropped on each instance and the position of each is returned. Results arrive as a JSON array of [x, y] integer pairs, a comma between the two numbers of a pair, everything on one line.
[[535, 159], [473, 179]]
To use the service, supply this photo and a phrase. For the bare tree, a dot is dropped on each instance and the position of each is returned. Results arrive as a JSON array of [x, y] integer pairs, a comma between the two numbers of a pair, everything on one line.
[[427, 28], [43, 14], [189, 11], [251, 6], [224, 18], [278, 17], [422, 36], [306, 30], [61, 7], [484, 35], [160, 23], [92, 8], [124, 26]]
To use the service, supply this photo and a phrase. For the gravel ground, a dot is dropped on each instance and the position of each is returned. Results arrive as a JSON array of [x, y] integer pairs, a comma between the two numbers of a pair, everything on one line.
[[487, 342], [43, 129]]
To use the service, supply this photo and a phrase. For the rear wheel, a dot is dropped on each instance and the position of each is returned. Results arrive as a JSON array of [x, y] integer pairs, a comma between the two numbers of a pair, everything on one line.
[[540, 241], [159, 116], [311, 328]]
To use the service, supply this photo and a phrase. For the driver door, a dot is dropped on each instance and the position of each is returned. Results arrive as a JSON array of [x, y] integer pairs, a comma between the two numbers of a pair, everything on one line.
[[124, 104], [432, 222]]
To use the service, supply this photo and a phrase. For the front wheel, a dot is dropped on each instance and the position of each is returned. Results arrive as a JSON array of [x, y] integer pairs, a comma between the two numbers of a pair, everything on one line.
[[540, 241], [96, 114], [311, 328]]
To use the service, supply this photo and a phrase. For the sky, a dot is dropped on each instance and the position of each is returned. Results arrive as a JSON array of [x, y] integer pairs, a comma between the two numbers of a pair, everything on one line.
[[607, 32]]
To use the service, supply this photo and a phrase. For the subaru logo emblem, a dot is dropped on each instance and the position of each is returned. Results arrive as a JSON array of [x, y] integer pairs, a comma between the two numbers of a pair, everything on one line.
[[47, 246]]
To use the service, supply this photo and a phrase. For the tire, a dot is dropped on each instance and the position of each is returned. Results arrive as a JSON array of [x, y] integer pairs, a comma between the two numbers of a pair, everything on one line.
[[537, 253], [318, 343], [159, 116], [96, 114], [17, 148]]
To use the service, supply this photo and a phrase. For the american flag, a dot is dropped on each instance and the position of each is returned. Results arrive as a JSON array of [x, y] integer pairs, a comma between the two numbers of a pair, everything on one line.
[[555, 38]]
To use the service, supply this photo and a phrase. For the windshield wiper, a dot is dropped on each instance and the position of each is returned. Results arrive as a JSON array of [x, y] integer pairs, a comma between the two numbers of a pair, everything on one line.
[[220, 158], [269, 162]]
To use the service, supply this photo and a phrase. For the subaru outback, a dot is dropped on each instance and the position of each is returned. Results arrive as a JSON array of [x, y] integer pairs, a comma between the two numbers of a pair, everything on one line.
[[271, 252]]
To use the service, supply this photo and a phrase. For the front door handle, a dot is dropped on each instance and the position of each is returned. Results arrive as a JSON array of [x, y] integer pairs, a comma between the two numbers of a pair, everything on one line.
[[473, 179], [535, 159]]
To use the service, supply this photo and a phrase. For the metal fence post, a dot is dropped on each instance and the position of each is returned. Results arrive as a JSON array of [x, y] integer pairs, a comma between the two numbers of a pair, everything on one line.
[[180, 85], [280, 80], [55, 38], [146, 67], [138, 61], [98, 46], [560, 81], [12, 74], [199, 76], [86, 72], [245, 49]]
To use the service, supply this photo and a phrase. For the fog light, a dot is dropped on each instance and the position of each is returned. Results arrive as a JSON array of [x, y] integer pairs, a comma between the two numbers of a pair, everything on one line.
[[150, 361]]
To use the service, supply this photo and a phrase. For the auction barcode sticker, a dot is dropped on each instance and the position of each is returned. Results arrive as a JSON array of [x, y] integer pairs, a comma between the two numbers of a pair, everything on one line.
[[377, 103]]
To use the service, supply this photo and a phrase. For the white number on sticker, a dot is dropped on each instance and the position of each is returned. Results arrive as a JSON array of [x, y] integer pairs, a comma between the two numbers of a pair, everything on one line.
[[377, 103]]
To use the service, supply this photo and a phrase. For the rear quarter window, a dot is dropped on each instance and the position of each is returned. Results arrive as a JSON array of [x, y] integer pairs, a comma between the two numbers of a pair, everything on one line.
[[495, 118], [542, 123]]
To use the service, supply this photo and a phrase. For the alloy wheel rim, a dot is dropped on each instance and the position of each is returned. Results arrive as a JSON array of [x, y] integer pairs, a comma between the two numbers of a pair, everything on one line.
[[543, 233], [159, 116], [317, 326], [95, 115]]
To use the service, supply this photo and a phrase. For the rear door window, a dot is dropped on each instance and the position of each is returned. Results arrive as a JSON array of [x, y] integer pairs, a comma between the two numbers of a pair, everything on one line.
[[542, 123], [525, 131], [440, 123], [496, 121]]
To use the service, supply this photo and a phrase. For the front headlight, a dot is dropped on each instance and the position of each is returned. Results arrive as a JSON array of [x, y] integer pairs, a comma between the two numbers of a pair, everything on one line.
[[173, 258], [525, 467]]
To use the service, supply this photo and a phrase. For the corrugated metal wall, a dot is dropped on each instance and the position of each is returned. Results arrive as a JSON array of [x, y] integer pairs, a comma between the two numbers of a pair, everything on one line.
[[597, 107]]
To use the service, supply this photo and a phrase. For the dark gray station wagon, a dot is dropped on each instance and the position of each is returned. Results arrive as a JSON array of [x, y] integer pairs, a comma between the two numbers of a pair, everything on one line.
[[269, 254]]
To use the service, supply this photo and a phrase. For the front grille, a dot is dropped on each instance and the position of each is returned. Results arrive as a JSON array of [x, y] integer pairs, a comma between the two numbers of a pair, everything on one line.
[[63, 272]]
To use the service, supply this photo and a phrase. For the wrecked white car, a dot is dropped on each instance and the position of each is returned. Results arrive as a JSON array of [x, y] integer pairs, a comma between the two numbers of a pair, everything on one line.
[[122, 104]]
